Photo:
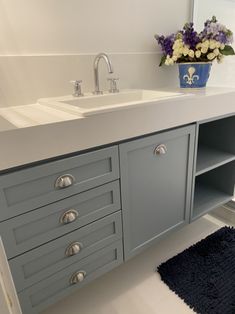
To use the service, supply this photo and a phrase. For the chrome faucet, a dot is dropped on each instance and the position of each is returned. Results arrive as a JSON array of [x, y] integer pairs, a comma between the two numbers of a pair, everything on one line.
[[96, 71]]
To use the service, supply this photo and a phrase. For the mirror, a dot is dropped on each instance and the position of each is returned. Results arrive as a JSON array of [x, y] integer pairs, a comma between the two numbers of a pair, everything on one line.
[[224, 10]]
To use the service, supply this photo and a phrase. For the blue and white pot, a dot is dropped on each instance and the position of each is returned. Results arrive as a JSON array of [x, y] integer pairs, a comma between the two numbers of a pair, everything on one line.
[[194, 75]]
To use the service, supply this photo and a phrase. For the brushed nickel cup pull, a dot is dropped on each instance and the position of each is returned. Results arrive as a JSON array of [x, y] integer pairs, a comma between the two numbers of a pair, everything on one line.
[[160, 150], [64, 181], [77, 277], [69, 216], [73, 249]]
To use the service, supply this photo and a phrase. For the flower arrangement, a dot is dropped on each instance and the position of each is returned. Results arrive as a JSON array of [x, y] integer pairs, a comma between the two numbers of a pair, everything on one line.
[[187, 45]]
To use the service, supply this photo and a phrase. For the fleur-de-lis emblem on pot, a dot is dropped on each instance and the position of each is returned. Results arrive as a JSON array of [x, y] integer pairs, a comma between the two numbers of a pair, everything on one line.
[[190, 77]]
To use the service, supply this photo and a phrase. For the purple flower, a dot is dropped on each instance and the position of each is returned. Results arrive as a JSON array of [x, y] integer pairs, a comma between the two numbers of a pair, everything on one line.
[[166, 43], [221, 37], [190, 36], [214, 30]]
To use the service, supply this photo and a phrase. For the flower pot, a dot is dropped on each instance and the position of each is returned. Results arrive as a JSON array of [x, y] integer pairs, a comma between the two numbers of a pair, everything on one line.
[[194, 75]]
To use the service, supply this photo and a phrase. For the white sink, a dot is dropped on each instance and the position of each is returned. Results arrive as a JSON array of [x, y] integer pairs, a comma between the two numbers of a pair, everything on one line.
[[93, 104]]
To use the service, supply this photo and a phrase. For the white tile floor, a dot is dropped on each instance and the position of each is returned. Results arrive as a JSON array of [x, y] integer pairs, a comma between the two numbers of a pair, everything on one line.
[[134, 287]]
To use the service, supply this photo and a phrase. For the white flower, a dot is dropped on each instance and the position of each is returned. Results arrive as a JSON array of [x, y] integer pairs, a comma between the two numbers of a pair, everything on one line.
[[211, 56], [181, 50], [198, 54], [220, 58], [205, 44], [176, 52], [174, 58], [222, 46], [185, 51], [218, 44], [191, 53], [199, 45], [178, 48], [204, 49], [177, 44], [212, 44], [216, 52], [169, 60]]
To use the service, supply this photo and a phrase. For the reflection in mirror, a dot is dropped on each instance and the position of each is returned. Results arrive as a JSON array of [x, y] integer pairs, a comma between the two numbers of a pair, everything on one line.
[[224, 10]]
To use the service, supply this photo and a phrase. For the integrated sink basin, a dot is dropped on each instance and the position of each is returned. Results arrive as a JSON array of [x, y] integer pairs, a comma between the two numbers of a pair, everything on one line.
[[93, 104]]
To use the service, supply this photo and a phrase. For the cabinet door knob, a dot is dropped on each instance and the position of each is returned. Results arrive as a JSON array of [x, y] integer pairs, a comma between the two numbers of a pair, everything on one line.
[[69, 216], [77, 277], [64, 181], [73, 249], [160, 150]]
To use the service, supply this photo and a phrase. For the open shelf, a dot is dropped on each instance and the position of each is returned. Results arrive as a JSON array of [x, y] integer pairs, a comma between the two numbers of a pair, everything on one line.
[[216, 145], [207, 198], [213, 188], [214, 178], [209, 158]]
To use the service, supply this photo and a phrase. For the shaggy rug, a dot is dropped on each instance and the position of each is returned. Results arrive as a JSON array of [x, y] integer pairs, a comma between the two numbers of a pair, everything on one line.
[[204, 274]]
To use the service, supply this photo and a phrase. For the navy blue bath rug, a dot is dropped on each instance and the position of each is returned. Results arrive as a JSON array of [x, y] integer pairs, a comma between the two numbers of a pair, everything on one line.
[[204, 274]]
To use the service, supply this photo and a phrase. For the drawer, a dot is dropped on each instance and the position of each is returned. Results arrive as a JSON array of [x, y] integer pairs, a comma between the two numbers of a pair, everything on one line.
[[37, 186], [39, 226], [48, 291], [42, 262]]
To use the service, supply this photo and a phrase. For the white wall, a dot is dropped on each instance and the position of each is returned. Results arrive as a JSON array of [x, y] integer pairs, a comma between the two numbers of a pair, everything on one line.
[[46, 43]]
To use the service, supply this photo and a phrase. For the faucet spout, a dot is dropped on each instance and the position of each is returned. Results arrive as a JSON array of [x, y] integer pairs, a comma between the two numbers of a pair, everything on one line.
[[96, 70]]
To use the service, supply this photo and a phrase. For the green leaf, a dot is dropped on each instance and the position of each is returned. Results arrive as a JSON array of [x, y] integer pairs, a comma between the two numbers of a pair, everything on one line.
[[214, 19], [163, 59], [227, 51]]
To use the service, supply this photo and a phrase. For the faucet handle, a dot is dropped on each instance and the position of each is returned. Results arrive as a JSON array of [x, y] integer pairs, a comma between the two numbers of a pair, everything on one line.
[[113, 85], [77, 88]]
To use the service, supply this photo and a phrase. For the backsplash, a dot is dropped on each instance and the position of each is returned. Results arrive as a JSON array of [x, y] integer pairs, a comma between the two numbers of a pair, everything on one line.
[[45, 44], [24, 79]]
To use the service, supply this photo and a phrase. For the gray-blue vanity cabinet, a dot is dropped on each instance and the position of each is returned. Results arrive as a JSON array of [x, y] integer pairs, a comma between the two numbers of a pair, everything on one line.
[[40, 263], [57, 286], [39, 226], [55, 209], [156, 173], [33, 187]]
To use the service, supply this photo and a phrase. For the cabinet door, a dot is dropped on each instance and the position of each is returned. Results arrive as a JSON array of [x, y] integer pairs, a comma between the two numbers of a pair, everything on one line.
[[156, 186]]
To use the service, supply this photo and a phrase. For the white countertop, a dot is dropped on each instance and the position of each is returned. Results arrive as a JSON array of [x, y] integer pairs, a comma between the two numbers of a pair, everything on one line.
[[35, 132]]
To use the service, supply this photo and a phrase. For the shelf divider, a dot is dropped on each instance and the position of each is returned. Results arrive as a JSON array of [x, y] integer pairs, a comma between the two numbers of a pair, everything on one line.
[[209, 158]]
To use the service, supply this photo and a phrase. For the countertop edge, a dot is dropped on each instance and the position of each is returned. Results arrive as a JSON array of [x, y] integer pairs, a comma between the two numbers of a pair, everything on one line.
[[28, 145]]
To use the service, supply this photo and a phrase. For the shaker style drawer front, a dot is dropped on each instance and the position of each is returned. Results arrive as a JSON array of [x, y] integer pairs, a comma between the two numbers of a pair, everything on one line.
[[35, 228], [44, 261], [48, 291], [34, 187]]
